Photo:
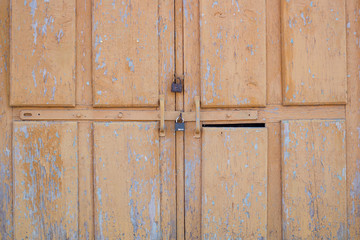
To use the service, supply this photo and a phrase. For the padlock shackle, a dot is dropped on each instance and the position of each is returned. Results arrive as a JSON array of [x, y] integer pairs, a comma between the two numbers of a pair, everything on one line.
[[179, 117]]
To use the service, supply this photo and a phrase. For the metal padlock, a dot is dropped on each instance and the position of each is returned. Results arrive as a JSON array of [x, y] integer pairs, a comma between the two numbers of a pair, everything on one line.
[[180, 124], [177, 85]]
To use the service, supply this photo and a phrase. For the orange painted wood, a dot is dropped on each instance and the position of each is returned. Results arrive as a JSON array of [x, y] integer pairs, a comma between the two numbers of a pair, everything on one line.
[[46, 180], [125, 53], [42, 69], [314, 179], [234, 183], [127, 180], [314, 52], [353, 120], [83, 53], [6, 166], [233, 53], [86, 180], [273, 52], [274, 220], [181, 37]]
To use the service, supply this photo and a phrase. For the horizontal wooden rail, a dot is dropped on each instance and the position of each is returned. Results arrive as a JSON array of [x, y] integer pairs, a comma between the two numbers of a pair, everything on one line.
[[272, 113], [130, 115]]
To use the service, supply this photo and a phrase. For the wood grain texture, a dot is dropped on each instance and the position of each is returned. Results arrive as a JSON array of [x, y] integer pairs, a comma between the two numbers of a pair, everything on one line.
[[42, 53], [233, 53], [314, 52], [179, 101], [83, 53], [274, 223], [192, 183], [353, 119], [314, 179], [86, 180], [125, 53], [6, 178], [191, 53], [46, 180], [127, 180], [168, 200], [273, 52], [234, 183]]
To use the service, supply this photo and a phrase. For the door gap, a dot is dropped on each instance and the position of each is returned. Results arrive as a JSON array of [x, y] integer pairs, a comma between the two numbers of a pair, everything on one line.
[[236, 125]]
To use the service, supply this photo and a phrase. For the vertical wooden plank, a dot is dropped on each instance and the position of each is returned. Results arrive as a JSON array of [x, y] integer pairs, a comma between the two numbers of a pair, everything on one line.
[[274, 181], [125, 54], [314, 52], [42, 53], [353, 119], [86, 183], [192, 183], [274, 96], [168, 183], [179, 70], [234, 183], [127, 180], [192, 149], [191, 53], [46, 180], [6, 186], [233, 53], [167, 144], [314, 179], [273, 52], [84, 97], [83, 52]]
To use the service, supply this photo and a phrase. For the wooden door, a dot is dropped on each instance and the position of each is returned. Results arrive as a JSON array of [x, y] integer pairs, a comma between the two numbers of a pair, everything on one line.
[[294, 172], [271, 147], [67, 175]]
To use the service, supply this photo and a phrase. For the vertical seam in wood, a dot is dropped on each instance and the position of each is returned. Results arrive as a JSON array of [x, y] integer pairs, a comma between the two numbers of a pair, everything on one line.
[[78, 172]]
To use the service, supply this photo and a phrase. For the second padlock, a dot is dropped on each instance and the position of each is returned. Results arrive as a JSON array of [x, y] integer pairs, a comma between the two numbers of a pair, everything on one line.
[[180, 124]]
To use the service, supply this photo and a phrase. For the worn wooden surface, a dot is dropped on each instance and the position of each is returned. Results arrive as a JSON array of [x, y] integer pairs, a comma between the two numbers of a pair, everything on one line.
[[192, 148], [314, 179], [6, 186], [181, 38], [43, 53], [274, 202], [233, 53], [45, 180], [353, 120], [83, 53], [86, 183], [314, 52], [234, 183], [127, 154], [125, 54], [273, 52]]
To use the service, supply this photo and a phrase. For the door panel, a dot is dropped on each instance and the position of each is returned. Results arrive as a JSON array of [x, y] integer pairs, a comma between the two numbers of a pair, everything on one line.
[[314, 179], [46, 180], [314, 52], [42, 53], [233, 53], [127, 180], [234, 183], [125, 53]]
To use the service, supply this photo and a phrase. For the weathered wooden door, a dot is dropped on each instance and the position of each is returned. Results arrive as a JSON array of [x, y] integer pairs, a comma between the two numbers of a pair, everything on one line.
[[69, 169], [271, 147], [294, 172]]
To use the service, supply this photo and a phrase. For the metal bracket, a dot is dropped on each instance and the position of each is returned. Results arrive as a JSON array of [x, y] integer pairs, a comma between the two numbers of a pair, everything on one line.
[[162, 116], [197, 117]]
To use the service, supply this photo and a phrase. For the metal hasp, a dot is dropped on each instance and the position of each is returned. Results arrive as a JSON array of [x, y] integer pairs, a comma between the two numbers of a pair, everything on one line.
[[162, 116], [197, 117]]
